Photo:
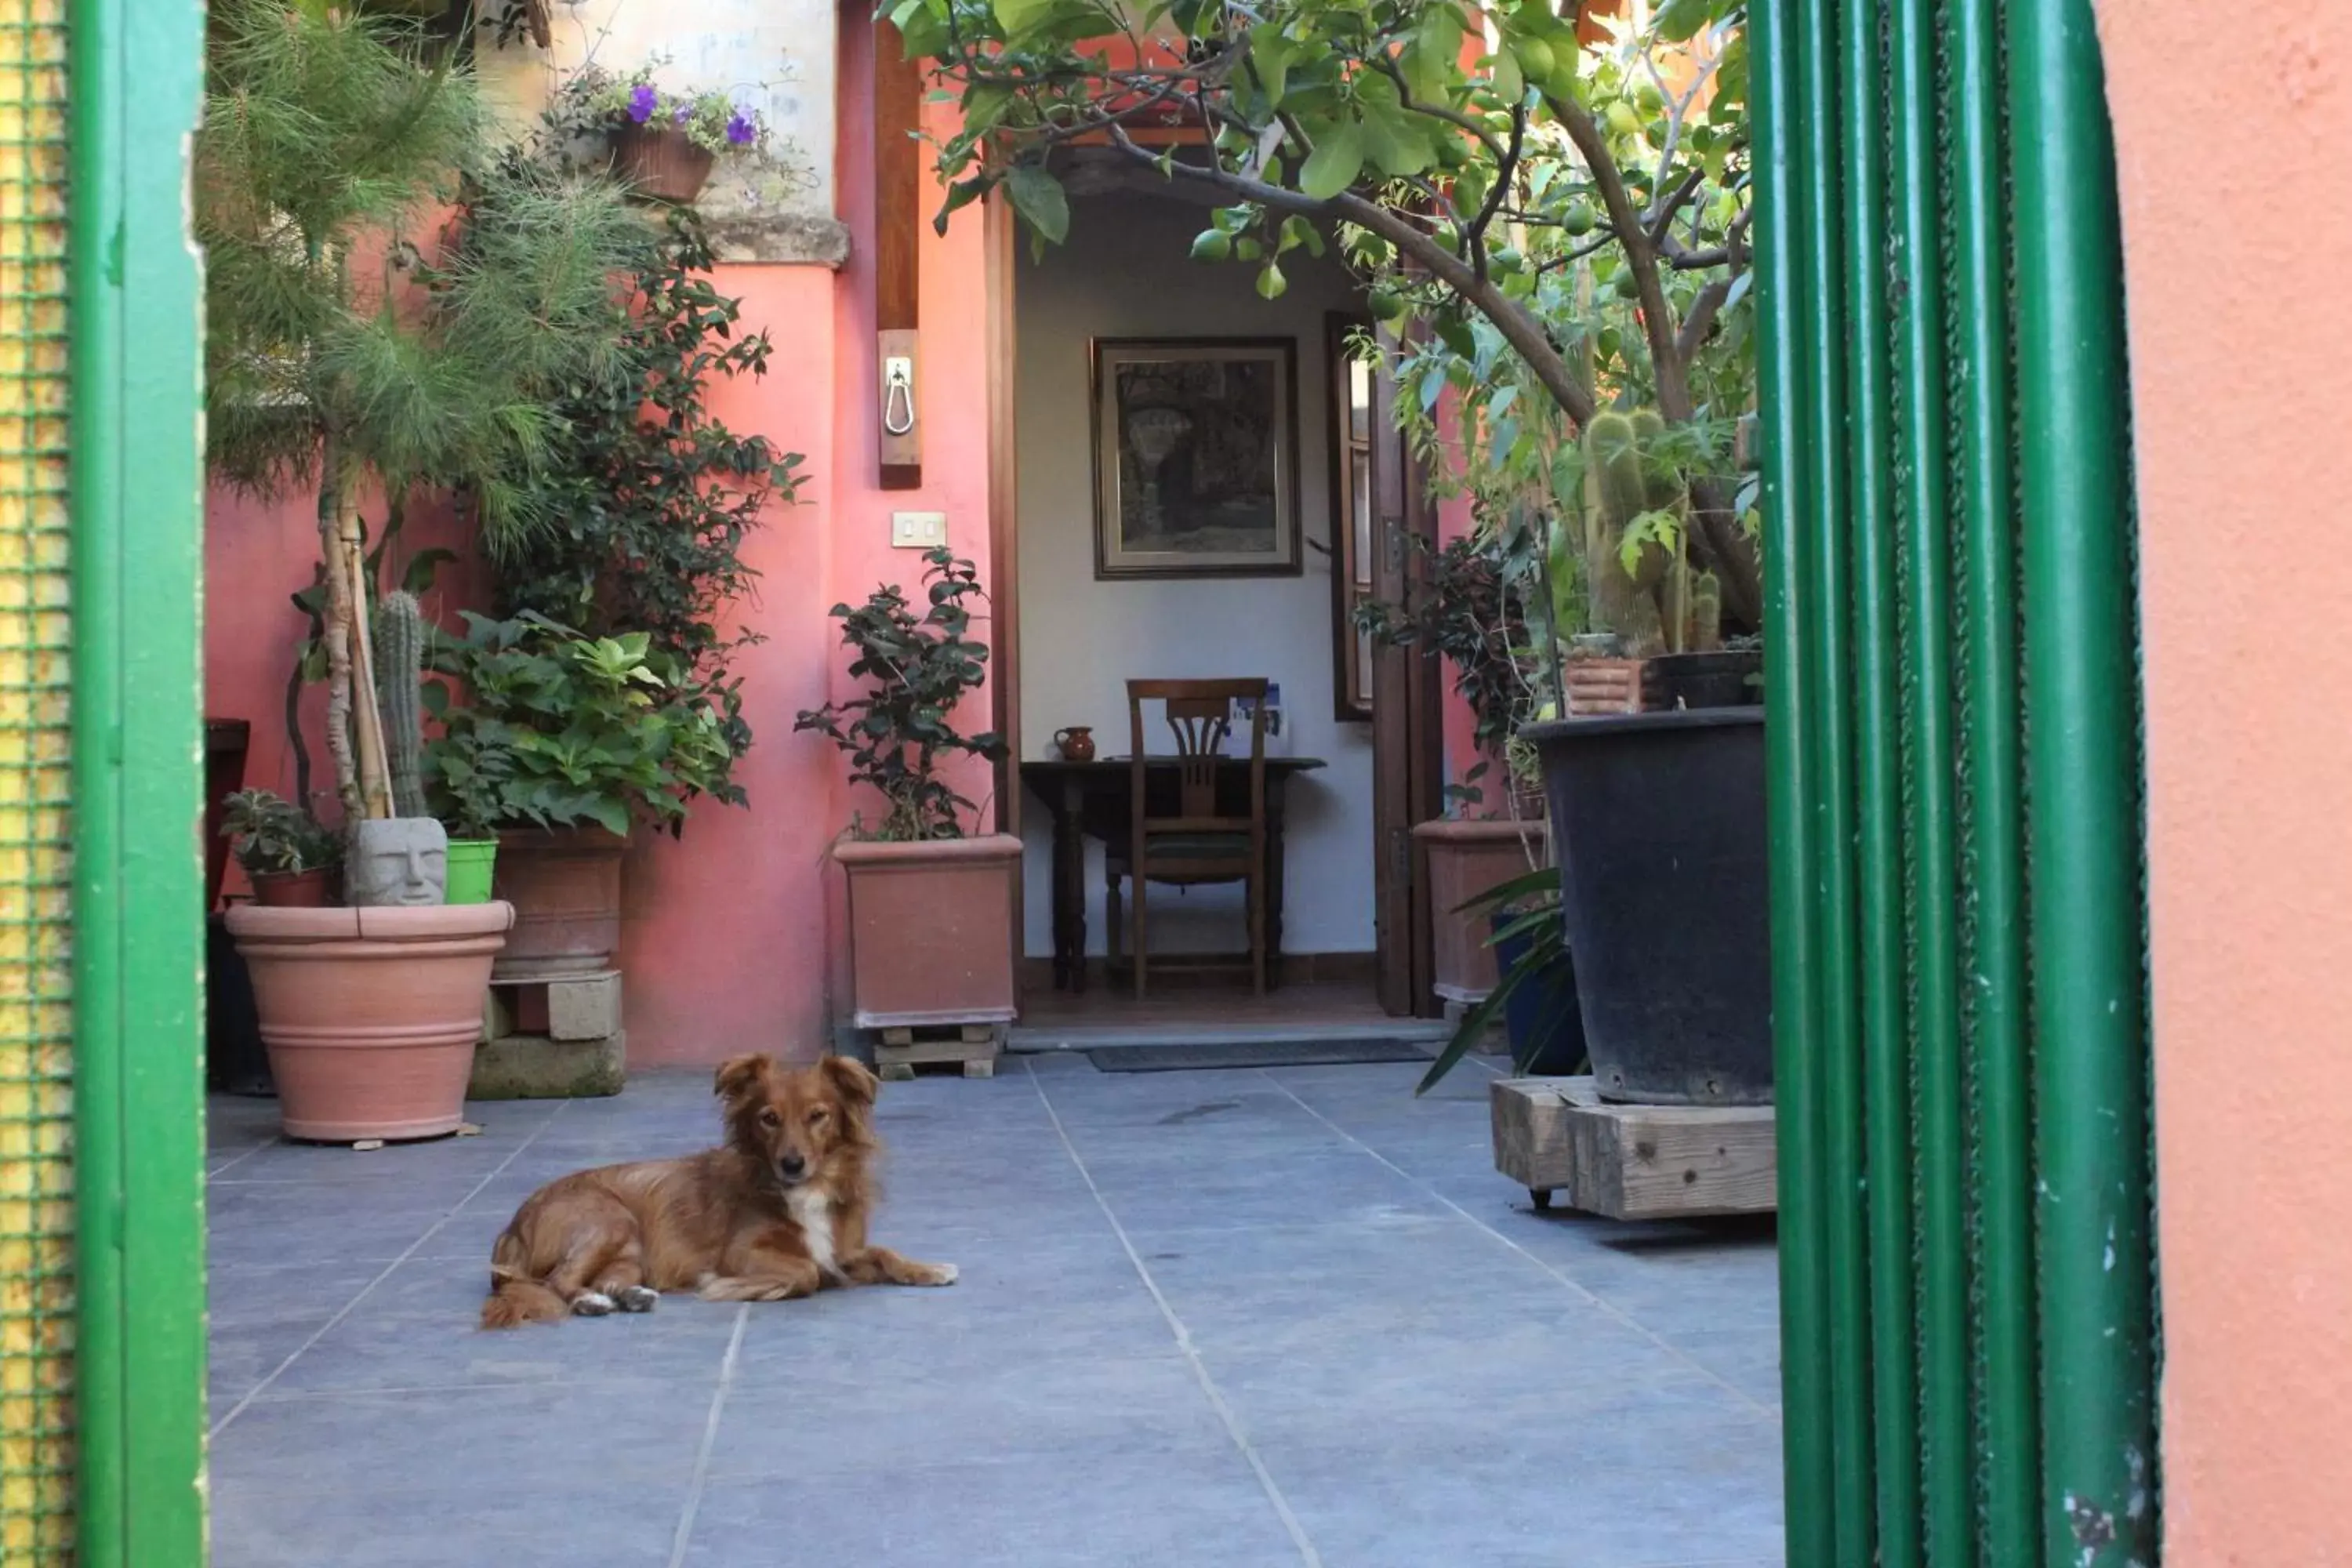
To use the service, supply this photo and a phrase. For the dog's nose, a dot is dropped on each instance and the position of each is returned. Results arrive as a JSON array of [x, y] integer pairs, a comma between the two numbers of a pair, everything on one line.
[[792, 1165]]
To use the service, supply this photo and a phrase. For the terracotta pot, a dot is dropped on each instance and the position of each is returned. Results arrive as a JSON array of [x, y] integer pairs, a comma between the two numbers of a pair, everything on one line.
[[370, 1016], [310, 889], [565, 886], [1602, 686], [226, 743], [661, 162], [930, 930], [1466, 859]]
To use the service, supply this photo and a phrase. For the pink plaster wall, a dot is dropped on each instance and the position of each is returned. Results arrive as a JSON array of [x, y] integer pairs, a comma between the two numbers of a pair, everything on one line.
[[2229, 126], [728, 930]]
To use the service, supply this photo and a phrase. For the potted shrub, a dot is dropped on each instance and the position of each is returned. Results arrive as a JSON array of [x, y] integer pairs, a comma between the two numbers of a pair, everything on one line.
[[664, 143], [1534, 996], [560, 745], [930, 907], [291, 860], [1470, 608]]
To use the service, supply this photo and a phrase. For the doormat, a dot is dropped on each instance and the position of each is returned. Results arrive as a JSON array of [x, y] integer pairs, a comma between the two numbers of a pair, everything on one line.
[[1254, 1054]]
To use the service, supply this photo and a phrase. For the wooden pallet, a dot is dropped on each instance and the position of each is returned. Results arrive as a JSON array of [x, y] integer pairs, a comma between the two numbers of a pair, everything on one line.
[[1556, 1136], [898, 1051]]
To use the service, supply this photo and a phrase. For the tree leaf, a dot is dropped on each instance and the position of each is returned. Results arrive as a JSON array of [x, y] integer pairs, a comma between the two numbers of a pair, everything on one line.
[[1270, 54], [1039, 197], [1338, 159], [1018, 17], [1678, 19]]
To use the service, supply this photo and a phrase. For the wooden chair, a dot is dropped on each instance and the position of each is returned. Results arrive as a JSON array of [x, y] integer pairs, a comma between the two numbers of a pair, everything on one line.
[[1200, 844]]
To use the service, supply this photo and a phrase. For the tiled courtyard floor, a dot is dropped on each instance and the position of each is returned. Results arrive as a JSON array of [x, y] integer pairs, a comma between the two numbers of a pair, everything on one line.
[[1227, 1319]]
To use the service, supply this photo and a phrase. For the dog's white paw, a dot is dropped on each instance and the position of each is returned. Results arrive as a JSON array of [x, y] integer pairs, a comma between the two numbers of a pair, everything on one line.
[[636, 1299], [592, 1304], [942, 1274]]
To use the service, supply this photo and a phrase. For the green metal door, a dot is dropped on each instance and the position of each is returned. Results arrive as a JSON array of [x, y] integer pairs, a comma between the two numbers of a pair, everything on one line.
[[1969, 1342]]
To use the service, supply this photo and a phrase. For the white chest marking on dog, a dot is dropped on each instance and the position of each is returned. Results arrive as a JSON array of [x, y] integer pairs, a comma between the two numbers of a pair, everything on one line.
[[813, 1211]]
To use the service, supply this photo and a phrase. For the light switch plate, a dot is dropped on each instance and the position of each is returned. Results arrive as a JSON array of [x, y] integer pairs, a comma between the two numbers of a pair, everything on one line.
[[917, 530]]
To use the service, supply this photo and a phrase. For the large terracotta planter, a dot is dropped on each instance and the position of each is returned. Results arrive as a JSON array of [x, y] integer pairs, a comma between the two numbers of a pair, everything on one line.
[[1466, 859], [565, 886], [370, 1016], [930, 930]]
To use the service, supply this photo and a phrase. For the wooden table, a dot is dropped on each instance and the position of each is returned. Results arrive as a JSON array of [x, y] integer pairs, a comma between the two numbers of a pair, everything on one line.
[[1094, 799]]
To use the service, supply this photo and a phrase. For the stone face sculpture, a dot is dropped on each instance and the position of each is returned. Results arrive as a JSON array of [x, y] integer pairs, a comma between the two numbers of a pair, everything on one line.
[[396, 860]]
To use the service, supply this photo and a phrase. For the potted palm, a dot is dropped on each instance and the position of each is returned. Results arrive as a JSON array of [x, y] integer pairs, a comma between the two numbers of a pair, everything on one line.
[[930, 907], [560, 744]]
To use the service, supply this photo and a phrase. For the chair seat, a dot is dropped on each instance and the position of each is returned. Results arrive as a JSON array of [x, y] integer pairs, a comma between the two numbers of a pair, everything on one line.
[[1188, 846]]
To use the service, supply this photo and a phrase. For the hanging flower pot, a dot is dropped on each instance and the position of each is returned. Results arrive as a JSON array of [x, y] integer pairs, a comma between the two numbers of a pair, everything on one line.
[[661, 162]]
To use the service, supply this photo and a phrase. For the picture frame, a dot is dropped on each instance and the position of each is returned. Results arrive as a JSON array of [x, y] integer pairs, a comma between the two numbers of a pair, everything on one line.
[[1196, 457]]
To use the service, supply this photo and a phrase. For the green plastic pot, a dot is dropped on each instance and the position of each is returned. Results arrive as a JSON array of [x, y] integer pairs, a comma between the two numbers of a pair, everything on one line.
[[471, 861]]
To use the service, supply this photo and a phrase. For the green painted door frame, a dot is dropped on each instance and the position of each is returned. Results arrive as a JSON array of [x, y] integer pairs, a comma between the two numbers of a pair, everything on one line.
[[134, 317], [1967, 1271]]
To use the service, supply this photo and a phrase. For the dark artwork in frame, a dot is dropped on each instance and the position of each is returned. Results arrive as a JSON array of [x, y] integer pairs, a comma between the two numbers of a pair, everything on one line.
[[1196, 457]]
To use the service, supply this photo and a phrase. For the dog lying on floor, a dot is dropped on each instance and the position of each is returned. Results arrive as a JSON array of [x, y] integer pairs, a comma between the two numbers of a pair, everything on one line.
[[777, 1211]]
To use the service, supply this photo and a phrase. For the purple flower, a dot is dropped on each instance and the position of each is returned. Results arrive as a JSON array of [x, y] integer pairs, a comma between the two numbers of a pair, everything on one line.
[[682, 114], [741, 132], [642, 102]]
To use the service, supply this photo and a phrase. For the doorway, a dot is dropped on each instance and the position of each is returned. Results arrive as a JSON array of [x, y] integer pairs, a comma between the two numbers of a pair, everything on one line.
[[1354, 732]]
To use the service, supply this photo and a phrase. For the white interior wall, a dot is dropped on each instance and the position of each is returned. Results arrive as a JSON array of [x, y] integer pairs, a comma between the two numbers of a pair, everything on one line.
[[1124, 272]]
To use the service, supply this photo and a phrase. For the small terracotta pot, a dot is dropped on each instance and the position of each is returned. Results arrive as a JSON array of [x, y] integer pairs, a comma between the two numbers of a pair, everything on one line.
[[661, 162], [1075, 743], [930, 930], [312, 889], [1466, 859], [565, 886], [370, 1016]]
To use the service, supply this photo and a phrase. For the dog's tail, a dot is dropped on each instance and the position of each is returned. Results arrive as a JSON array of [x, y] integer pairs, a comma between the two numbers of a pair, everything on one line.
[[515, 1297]]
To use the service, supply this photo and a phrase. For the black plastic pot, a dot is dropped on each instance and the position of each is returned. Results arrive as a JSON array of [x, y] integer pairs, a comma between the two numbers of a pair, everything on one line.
[[1658, 821], [1540, 1016], [236, 1062], [1727, 678]]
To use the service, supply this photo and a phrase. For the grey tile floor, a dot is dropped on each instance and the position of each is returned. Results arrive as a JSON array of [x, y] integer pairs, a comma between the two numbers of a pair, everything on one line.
[[1206, 1320]]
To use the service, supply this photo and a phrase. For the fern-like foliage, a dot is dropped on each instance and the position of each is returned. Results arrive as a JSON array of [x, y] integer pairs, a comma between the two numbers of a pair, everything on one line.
[[334, 142]]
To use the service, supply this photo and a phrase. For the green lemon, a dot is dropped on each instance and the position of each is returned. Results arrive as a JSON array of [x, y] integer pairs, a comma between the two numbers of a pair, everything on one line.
[[1578, 220]]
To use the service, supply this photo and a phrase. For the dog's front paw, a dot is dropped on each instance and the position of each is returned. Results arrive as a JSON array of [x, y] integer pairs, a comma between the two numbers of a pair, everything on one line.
[[935, 1274], [636, 1299], [592, 1304]]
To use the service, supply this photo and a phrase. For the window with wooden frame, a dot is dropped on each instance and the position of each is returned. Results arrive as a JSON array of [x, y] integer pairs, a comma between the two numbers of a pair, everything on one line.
[[1351, 514]]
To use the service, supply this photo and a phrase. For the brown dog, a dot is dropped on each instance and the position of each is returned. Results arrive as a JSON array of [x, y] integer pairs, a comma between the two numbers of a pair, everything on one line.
[[777, 1211]]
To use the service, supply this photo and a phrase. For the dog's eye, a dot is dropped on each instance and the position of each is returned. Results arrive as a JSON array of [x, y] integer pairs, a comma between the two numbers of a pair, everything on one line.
[[770, 1119], [819, 1118]]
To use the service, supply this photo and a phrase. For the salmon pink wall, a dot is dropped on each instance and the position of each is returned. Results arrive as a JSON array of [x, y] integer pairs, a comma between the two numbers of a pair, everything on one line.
[[728, 929], [2242, 392]]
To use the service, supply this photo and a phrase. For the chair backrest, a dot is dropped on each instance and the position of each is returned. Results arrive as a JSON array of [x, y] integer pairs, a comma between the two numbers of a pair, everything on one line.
[[1200, 716]]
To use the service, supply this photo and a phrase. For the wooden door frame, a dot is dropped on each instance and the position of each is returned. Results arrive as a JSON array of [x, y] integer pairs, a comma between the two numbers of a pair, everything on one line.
[[1408, 719], [1408, 758]]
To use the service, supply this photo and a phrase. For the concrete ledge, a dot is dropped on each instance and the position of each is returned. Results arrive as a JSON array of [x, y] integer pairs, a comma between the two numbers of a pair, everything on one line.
[[534, 1066]]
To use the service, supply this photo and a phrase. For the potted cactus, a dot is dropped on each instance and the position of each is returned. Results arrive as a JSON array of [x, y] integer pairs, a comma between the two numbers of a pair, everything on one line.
[[1656, 800], [370, 1012], [930, 907]]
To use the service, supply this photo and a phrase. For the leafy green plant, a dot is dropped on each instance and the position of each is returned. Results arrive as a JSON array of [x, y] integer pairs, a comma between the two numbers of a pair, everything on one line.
[[272, 836], [657, 497], [1469, 605], [557, 730], [1527, 907], [919, 667]]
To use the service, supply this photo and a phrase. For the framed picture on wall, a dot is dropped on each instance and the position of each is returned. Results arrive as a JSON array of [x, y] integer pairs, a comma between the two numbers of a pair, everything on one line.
[[1196, 457]]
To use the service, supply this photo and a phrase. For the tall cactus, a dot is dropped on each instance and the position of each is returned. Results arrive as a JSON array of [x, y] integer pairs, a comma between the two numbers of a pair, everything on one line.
[[399, 677], [1659, 605]]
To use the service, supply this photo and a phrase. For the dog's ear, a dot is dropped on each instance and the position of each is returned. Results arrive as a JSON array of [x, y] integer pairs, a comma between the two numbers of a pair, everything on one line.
[[737, 1074], [851, 1080]]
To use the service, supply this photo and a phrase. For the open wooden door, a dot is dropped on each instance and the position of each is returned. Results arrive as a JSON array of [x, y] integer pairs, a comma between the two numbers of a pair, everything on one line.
[[1408, 742]]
